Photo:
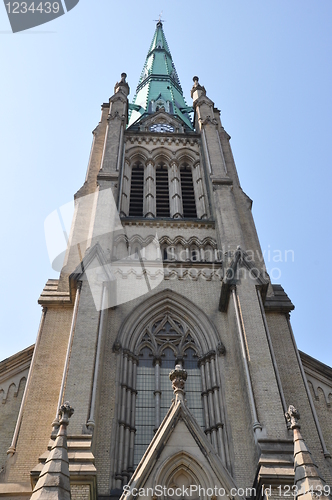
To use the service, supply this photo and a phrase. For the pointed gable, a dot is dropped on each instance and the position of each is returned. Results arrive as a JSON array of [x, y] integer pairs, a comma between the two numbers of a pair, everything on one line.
[[180, 456]]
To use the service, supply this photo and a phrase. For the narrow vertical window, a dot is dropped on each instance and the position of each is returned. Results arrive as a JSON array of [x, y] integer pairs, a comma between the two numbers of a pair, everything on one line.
[[188, 194], [168, 361], [136, 191], [145, 405], [162, 191], [194, 385]]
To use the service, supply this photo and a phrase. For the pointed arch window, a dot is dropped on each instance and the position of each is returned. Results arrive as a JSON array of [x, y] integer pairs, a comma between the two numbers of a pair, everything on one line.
[[162, 191], [188, 193], [164, 343], [145, 403], [145, 392], [136, 191]]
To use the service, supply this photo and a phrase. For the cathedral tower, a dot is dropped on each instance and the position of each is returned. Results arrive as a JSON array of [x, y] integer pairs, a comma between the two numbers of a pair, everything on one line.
[[164, 274]]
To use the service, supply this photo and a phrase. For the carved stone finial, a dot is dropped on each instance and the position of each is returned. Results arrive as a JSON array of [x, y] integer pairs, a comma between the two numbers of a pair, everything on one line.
[[197, 89], [178, 377], [53, 481], [65, 412], [293, 417], [122, 85]]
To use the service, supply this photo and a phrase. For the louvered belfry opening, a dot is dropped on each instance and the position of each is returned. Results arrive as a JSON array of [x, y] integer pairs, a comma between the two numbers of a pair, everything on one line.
[[136, 191], [188, 194], [162, 191]]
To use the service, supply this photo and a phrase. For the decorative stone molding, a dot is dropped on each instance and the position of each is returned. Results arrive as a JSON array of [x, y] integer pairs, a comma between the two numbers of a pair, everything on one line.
[[154, 140], [293, 417], [116, 347], [197, 90], [116, 116], [162, 223], [13, 371], [319, 376], [193, 274], [105, 176], [122, 86], [178, 377], [221, 349], [208, 119]]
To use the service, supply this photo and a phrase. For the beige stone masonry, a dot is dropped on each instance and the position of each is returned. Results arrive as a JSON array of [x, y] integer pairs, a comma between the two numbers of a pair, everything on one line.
[[266, 393], [44, 386], [294, 389]]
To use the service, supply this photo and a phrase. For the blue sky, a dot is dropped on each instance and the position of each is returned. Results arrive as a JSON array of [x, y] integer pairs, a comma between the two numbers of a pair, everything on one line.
[[267, 67]]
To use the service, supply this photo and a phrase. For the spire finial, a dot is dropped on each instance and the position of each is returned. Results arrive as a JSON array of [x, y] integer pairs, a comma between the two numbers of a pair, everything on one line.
[[307, 480], [178, 377], [65, 412], [293, 417], [154, 92], [197, 89], [159, 21], [53, 481], [122, 85]]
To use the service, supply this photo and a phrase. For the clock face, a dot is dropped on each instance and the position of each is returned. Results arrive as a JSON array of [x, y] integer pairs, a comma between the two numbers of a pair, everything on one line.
[[161, 127]]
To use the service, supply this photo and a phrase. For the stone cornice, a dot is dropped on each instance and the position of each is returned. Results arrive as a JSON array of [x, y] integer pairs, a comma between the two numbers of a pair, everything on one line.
[[319, 375], [165, 138], [13, 370], [16, 364], [172, 223], [107, 176], [221, 180], [321, 370], [51, 296], [279, 301]]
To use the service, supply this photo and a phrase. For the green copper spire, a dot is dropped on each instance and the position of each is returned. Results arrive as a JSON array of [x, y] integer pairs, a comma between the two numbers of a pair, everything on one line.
[[159, 86]]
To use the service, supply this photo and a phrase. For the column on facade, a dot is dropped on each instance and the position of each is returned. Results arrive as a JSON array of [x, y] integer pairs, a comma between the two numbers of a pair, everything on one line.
[[210, 391], [122, 419], [205, 402], [149, 202], [128, 417], [176, 210], [187, 254], [157, 392], [132, 417], [126, 183], [171, 251], [219, 423], [199, 192]]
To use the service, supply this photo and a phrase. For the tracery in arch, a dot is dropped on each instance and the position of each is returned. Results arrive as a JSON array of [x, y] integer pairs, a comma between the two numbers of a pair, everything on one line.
[[163, 342], [162, 331]]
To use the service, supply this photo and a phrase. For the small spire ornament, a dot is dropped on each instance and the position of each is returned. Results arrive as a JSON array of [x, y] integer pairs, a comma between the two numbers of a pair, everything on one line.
[[178, 377]]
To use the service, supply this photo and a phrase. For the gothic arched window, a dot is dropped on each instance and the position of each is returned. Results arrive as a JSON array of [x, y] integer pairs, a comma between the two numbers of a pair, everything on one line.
[[162, 191], [136, 191], [162, 344], [188, 193], [162, 332], [144, 403]]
